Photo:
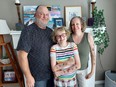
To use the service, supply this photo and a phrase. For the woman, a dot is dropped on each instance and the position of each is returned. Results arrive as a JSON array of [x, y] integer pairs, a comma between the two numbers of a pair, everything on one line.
[[85, 45]]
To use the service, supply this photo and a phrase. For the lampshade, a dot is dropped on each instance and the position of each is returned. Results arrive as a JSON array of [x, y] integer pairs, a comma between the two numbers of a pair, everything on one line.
[[4, 29]]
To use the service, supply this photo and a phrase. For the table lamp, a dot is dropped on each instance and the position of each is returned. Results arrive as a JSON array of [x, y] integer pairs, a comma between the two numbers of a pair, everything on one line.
[[17, 3], [4, 29], [93, 5], [91, 20], [19, 25]]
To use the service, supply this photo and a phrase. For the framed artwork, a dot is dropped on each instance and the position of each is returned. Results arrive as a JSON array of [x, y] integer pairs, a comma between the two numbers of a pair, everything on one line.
[[58, 22], [28, 15], [55, 12], [29, 12], [71, 11], [9, 76]]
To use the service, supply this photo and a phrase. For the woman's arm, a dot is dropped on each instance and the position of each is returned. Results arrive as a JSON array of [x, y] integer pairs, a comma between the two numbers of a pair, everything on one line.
[[76, 57], [93, 57]]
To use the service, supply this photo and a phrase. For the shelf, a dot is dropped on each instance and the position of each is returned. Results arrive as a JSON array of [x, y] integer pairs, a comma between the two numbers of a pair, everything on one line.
[[3, 84], [4, 65], [13, 62]]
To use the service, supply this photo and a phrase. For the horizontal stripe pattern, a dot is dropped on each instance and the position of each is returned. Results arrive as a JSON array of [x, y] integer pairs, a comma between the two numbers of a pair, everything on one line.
[[63, 54]]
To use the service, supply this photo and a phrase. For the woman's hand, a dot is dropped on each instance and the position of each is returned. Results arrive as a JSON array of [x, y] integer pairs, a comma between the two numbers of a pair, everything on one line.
[[88, 76]]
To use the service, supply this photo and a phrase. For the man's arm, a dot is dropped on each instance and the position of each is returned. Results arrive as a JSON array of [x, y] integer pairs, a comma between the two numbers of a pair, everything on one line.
[[23, 62]]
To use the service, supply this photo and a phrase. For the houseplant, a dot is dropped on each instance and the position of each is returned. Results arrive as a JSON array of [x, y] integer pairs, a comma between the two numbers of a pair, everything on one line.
[[101, 37]]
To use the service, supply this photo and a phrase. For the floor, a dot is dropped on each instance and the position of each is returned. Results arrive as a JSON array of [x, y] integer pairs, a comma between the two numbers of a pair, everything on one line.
[[101, 85], [11, 85], [95, 86]]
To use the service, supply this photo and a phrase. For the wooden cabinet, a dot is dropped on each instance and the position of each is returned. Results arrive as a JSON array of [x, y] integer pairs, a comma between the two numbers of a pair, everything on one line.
[[13, 63]]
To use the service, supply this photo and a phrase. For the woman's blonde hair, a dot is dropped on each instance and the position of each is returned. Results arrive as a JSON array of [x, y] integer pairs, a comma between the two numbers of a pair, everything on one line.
[[63, 28], [83, 24]]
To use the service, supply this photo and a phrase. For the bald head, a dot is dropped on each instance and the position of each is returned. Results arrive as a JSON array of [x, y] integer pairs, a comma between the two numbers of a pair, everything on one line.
[[42, 15], [41, 8]]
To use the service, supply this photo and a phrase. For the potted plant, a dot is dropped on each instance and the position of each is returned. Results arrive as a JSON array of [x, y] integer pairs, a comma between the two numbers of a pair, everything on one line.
[[101, 37]]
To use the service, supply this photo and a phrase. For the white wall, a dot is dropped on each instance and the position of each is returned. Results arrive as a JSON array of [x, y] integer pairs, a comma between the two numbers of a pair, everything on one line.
[[108, 59]]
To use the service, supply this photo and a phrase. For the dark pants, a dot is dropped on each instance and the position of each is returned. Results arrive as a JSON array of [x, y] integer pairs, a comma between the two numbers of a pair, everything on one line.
[[40, 83], [45, 83], [50, 82]]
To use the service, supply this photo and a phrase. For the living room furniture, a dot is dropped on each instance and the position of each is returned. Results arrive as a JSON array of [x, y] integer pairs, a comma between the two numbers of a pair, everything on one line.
[[11, 55]]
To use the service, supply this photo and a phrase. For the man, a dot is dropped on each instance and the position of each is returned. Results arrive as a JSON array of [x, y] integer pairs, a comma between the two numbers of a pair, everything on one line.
[[34, 50]]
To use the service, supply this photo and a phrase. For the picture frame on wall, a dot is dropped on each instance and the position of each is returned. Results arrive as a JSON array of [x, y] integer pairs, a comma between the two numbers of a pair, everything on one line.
[[71, 11], [55, 12], [28, 14], [58, 22], [29, 11]]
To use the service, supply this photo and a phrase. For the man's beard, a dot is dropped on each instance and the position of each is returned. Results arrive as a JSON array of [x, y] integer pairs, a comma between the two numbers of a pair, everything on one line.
[[40, 23]]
